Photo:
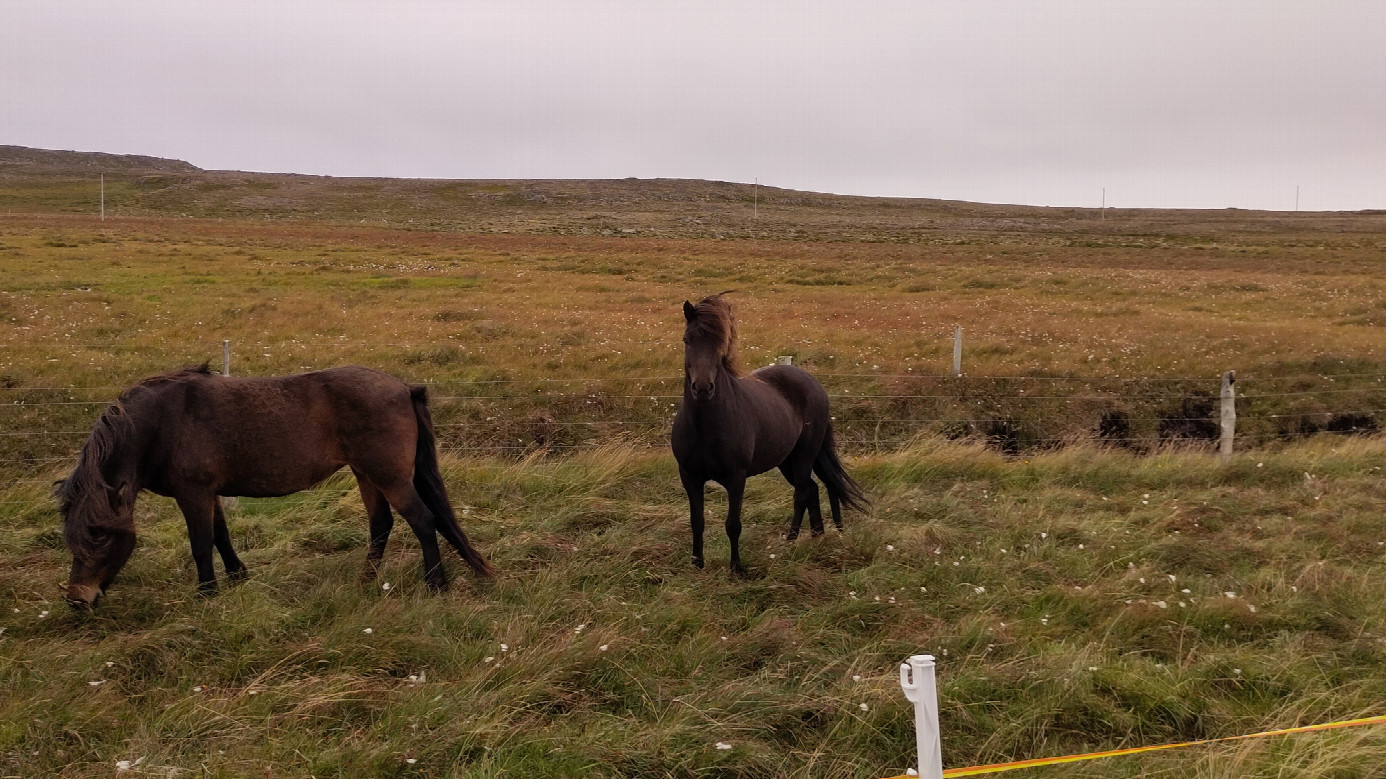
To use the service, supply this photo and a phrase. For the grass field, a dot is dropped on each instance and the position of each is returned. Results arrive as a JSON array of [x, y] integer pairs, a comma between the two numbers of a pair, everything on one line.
[[1077, 596], [1075, 600]]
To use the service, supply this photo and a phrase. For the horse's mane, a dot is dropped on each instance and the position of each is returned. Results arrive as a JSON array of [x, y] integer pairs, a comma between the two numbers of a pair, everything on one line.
[[714, 318], [83, 497], [179, 376]]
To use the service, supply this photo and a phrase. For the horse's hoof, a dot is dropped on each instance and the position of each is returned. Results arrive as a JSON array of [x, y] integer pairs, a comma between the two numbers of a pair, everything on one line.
[[817, 533], [207, 589], [698, 563], [740, 571], [238, 575], [438, 586], [791, 535]]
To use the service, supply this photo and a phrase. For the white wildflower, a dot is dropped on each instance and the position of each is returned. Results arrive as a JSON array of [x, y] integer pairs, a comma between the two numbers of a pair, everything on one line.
[[723, 745]]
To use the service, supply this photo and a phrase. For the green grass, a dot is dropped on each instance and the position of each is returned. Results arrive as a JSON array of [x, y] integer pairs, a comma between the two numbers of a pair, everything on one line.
[[546, 317], [1037, 582]]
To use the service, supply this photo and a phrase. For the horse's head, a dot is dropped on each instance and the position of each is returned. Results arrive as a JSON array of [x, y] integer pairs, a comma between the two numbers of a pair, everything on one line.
[[709, 345], [99, 528], [98, 510]]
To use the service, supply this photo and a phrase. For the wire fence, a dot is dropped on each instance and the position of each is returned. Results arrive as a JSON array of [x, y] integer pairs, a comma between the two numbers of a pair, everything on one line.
[[43, 426]]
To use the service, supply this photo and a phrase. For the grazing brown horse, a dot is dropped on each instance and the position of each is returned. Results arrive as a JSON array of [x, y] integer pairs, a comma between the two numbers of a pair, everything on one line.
[[194, 436], [733, 425]]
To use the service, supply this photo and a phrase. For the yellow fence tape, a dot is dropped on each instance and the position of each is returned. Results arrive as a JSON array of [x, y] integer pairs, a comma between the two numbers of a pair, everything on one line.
[[996, 768]]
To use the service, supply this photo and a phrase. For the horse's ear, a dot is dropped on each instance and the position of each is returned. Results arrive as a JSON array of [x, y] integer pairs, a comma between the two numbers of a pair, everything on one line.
[[689, 312], [120, 497]]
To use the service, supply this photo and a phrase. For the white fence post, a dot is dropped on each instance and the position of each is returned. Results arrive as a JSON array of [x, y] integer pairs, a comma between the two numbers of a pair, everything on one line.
[[785, 359], [921, 688], [957, 352], [1229, 414]]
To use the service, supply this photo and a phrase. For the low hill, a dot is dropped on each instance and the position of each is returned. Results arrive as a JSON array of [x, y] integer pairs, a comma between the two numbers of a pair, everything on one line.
[[34, 180]]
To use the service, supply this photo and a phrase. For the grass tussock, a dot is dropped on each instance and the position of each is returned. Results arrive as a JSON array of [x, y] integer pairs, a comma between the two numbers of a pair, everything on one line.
[[1077, 600]]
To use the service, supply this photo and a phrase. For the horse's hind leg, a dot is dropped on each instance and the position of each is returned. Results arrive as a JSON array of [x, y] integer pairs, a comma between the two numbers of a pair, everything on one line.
[[796, 518], [807, 493], [199, 512], [836, 506], [382, 522], [221, 538], [405, 499], [800, 475]]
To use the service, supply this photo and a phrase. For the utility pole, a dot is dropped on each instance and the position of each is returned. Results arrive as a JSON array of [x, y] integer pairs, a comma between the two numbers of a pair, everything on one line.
[[103, 197]]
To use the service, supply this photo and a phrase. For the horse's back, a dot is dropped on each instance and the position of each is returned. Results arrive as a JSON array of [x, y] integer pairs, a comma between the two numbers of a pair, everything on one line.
[[279, 434], [797, 386]]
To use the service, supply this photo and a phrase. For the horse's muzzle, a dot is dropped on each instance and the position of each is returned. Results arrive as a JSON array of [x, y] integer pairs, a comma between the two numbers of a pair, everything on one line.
[[83, 596], [703, 392]]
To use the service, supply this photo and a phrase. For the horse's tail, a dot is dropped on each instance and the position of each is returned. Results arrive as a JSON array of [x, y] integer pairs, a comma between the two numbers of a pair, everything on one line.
[[428, 482], [841, 487]]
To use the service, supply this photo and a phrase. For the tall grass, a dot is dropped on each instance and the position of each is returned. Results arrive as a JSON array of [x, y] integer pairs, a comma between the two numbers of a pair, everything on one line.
[[1076, 600]]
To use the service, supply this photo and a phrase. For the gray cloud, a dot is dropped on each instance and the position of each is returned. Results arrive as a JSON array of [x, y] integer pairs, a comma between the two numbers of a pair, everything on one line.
[[1163, 103]]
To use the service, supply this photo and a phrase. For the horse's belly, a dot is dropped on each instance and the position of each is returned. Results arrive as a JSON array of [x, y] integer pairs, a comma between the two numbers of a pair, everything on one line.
[[272, 483], [770, 455]]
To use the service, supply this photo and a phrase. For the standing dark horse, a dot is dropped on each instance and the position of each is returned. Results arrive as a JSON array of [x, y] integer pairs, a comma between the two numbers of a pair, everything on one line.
[[194, 436], [733, 425]]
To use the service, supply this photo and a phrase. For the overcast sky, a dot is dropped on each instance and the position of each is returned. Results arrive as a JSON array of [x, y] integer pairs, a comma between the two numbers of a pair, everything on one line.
[[1168, 104]]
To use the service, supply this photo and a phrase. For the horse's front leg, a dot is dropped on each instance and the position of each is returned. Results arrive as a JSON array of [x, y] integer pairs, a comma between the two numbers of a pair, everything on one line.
[[736, 489], [199, 511], [693, 485]]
